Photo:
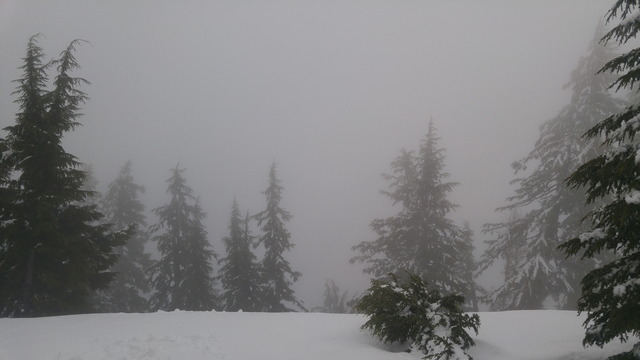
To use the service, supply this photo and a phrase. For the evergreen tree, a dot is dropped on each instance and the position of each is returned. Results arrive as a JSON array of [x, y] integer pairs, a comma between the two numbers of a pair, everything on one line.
[[182, 278], [553, 212], [610, 292], [420, 239], [465, 269], [334, 301], [240, 273], [90, 185], [123, 208], [53, 250], [513, 253], [411, 312], [278, 277]]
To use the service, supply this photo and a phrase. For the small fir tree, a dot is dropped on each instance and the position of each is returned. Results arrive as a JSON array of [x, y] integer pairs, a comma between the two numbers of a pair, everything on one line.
[[610, 292], [240, 272], [412, 313], [552, 212], [420, 239], [278, 277], [53, 250], [123, 208], [182, 278]]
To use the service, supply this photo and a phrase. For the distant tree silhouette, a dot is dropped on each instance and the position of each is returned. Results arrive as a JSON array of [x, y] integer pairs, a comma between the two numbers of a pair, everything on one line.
[[421, 239], [278, 277], [240, 271], [182, 278]]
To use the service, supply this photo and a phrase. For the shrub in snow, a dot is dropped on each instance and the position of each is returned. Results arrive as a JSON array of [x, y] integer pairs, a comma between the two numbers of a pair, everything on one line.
[[411, 312]]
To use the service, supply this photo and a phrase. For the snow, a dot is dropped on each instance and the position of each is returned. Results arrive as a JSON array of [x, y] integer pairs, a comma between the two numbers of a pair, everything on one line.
[[633, 197], [621, 290], [595, 234], [523, 335]]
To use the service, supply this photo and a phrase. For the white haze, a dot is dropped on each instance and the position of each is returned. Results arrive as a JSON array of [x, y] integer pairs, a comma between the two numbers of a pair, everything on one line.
[[331, 90]]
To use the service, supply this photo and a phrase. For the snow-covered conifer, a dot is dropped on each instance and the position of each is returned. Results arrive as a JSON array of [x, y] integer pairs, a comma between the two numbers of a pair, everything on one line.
[[610, 292], [551, 211]]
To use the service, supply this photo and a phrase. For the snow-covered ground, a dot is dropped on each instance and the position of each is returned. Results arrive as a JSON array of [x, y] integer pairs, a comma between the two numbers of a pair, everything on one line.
[[513, 335]]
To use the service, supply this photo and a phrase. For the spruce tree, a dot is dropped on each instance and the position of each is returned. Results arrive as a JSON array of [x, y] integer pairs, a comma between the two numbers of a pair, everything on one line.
[[240, 273], [334, 301], [278, 277], [610, 292], [468, 263], [421, 239], [124, 209], [53, 250], [182, 278], [553, 212], [90, 185]]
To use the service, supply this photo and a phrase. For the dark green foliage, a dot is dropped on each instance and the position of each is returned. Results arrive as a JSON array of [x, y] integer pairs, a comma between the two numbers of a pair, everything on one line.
[[420, 239], [412, 313], [240, 271], [611, 293], [551, 211], [278, 277], [123, 208], [53, 250], [182, 278]]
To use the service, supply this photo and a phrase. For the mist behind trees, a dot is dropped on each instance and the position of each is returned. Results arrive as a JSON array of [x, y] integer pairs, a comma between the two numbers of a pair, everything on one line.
[[332, 91]]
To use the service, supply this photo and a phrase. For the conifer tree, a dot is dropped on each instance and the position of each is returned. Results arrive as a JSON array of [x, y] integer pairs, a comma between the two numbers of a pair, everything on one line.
[[53, 250], [123, 208], [610, 292], [182, 278], [334, 301], [90, 185], [553, 212], [278, 277], [465, 268], [420, 240], [240, 273]]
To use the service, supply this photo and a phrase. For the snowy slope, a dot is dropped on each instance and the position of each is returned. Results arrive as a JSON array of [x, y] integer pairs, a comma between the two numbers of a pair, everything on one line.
[[235, 336]]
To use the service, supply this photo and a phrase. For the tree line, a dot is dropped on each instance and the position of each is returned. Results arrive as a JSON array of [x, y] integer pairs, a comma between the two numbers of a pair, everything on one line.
[[65, 250], [570, 238]]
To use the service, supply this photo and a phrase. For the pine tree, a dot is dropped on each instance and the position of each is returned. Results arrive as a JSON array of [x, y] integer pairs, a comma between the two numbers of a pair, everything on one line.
[[465, 269], [420, 240], [240, 273], [334, 301], [278, 277], [123, 208], [553, 212], [610, 292], [90, 185], [53, 250], [182, 278]]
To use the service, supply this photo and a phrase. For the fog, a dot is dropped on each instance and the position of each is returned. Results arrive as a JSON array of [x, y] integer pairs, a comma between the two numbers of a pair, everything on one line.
[[331, 90]]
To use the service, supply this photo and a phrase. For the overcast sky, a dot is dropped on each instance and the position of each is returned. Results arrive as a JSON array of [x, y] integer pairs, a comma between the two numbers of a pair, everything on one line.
[[330, 89]]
